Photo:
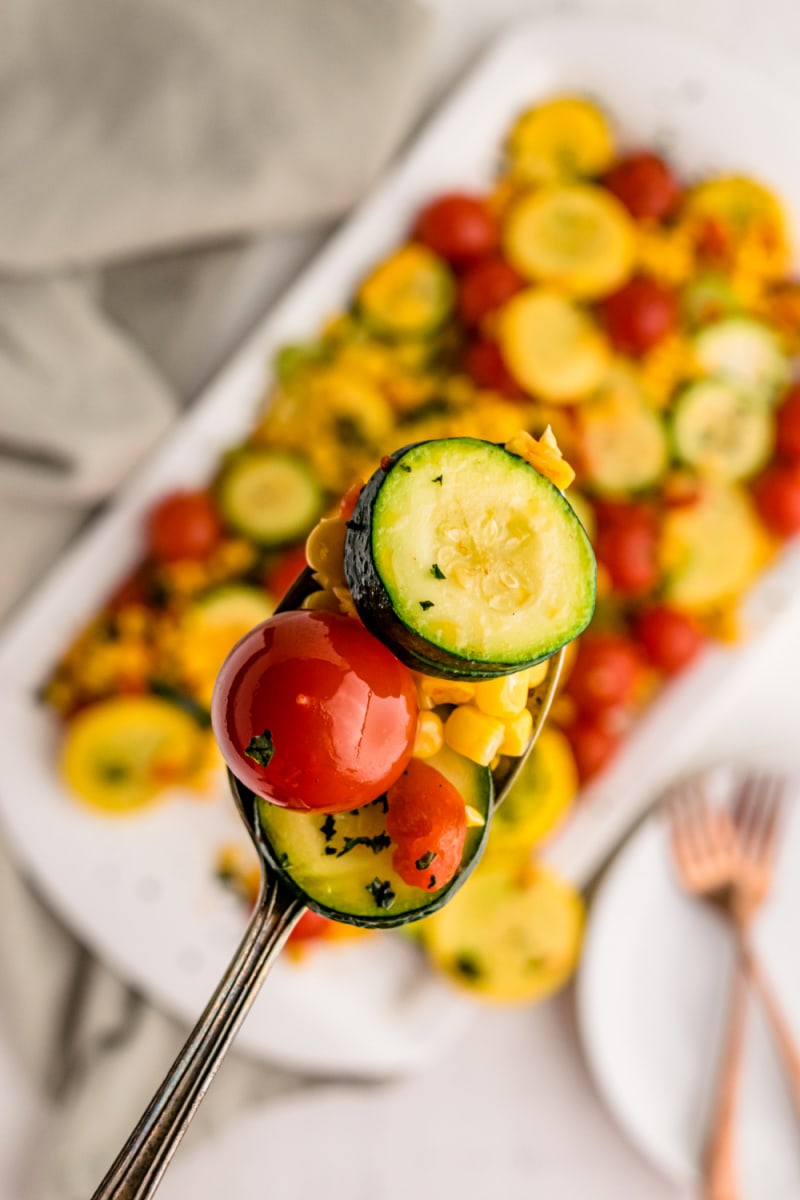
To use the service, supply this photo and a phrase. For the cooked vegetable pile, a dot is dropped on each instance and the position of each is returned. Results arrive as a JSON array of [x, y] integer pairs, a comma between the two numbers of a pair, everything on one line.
[[650, 322]]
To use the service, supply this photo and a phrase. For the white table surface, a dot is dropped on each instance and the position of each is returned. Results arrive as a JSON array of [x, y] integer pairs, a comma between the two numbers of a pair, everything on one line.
[[513, 1113]]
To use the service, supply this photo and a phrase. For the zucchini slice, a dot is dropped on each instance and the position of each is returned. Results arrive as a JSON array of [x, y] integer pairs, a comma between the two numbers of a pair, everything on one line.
[[513, 934], [746, 350], [564, 139], [466, 561], [409, 295], [269, 496], [711, 550], [578, 238], [552, 347], [231, 606], [721, 430], [623, 441], [341, 865], [708, 296]]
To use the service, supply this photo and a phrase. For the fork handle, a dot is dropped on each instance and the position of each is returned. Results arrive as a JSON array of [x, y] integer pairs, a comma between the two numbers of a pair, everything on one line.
[[781, 1032], [720, 1175]]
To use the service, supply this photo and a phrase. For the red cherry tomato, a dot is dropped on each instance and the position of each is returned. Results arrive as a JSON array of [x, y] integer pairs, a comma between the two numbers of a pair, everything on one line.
[[184, 525], [777, 496], [605, 674], [427, 820], [592, 745], [486, 366], [312, 712], [348, 502], [310, 927], [626, 544], [788, 426], [280, 576], [458, 226], [645, 185], [639, 315], [134, 590], [484, 287], [669, 638]]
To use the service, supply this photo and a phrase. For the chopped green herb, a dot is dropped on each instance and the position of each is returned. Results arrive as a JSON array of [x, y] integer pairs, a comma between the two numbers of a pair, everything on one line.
[[381, 892], [330, 850], [431, 883], [405, 467], [425, 860], [284, 859], [260, 748], [425, 605], [114, 772], [381, 841], [468, 966], [383, 801], [438, 479], [437, 572], [328, 827]]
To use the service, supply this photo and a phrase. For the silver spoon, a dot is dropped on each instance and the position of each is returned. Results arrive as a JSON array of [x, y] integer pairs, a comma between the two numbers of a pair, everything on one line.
[[139, 1166]]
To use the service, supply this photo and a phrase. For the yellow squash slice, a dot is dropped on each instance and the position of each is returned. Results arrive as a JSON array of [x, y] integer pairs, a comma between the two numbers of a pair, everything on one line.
[[567, 138], [576, 237], [512, 933], [747, 221], [552, 347], [410, 294], [119, 754], [539, 799]]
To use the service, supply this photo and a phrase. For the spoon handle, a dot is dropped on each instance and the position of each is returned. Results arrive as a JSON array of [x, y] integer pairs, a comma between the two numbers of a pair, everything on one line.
[[138, 1168]]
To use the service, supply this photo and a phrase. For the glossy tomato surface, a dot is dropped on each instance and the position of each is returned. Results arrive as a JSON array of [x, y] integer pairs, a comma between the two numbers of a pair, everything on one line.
[[427, 821], [458, 226], [314, 713]]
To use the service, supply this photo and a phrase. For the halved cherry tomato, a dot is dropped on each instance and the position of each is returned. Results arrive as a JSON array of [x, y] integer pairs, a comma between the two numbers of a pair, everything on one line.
[[281, 574], [427, 821], [639, 315], [312, 712], [645, 185], [777, 496], [185, 525], [670, 639], [607, 669], [486, 366], [788, 426], [310, 927], [459, 226], [627, 546], [592, 745], [485, 286]]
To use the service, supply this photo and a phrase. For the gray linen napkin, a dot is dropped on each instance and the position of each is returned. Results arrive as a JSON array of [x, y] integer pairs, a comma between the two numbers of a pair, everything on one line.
[[131, 129]]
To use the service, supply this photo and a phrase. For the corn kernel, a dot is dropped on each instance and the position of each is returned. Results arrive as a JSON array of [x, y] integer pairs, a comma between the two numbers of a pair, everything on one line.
[[434, 691], [429, 737], [518, 733], [325, 551], [474, 734], [537, 674], [503, 697]]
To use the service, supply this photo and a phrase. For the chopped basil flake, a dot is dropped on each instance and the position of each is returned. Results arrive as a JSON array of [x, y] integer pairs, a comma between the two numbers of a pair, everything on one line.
[[405, 467], [431, 883], [468, 966], [437, 479], [328, 827], [425, 605], [437, 572], [260, 748], [381, 841], [381, 892], [426, 860]]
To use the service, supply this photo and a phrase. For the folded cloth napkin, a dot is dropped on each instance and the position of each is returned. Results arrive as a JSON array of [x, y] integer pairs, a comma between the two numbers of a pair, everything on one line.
[[153, 153]]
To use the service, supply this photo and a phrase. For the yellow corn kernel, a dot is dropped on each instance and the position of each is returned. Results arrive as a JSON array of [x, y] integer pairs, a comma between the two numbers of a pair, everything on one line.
[[538, 674], [325, 551], [503, 697], [474, 734], [429, 736], [518, 734], [323, 601], [434, 691]]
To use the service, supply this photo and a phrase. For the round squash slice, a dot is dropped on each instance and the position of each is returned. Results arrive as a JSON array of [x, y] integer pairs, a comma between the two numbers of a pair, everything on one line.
[[567, 138], [577, 237], [539, 799], [512, 934], [552, 347], [119, 754]]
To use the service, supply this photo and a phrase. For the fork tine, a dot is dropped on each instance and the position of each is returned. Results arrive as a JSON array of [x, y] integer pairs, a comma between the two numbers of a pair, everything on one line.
[[757, 814]]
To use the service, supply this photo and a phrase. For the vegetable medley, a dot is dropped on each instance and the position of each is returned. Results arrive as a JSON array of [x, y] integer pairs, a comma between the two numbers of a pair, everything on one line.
[[647, 326]]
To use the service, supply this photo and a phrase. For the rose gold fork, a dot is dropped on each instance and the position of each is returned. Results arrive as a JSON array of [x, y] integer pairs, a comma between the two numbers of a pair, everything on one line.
[[728, 862]]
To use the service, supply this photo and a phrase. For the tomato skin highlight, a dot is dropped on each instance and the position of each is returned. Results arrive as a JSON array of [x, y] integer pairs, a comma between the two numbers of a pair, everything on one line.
[[670, 639], [332, 710], [777, 497], [606, 672], [484, 287], [646, 186], [427, 820], [458, 226], [184, 525], [788, 426], [639, 315]]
